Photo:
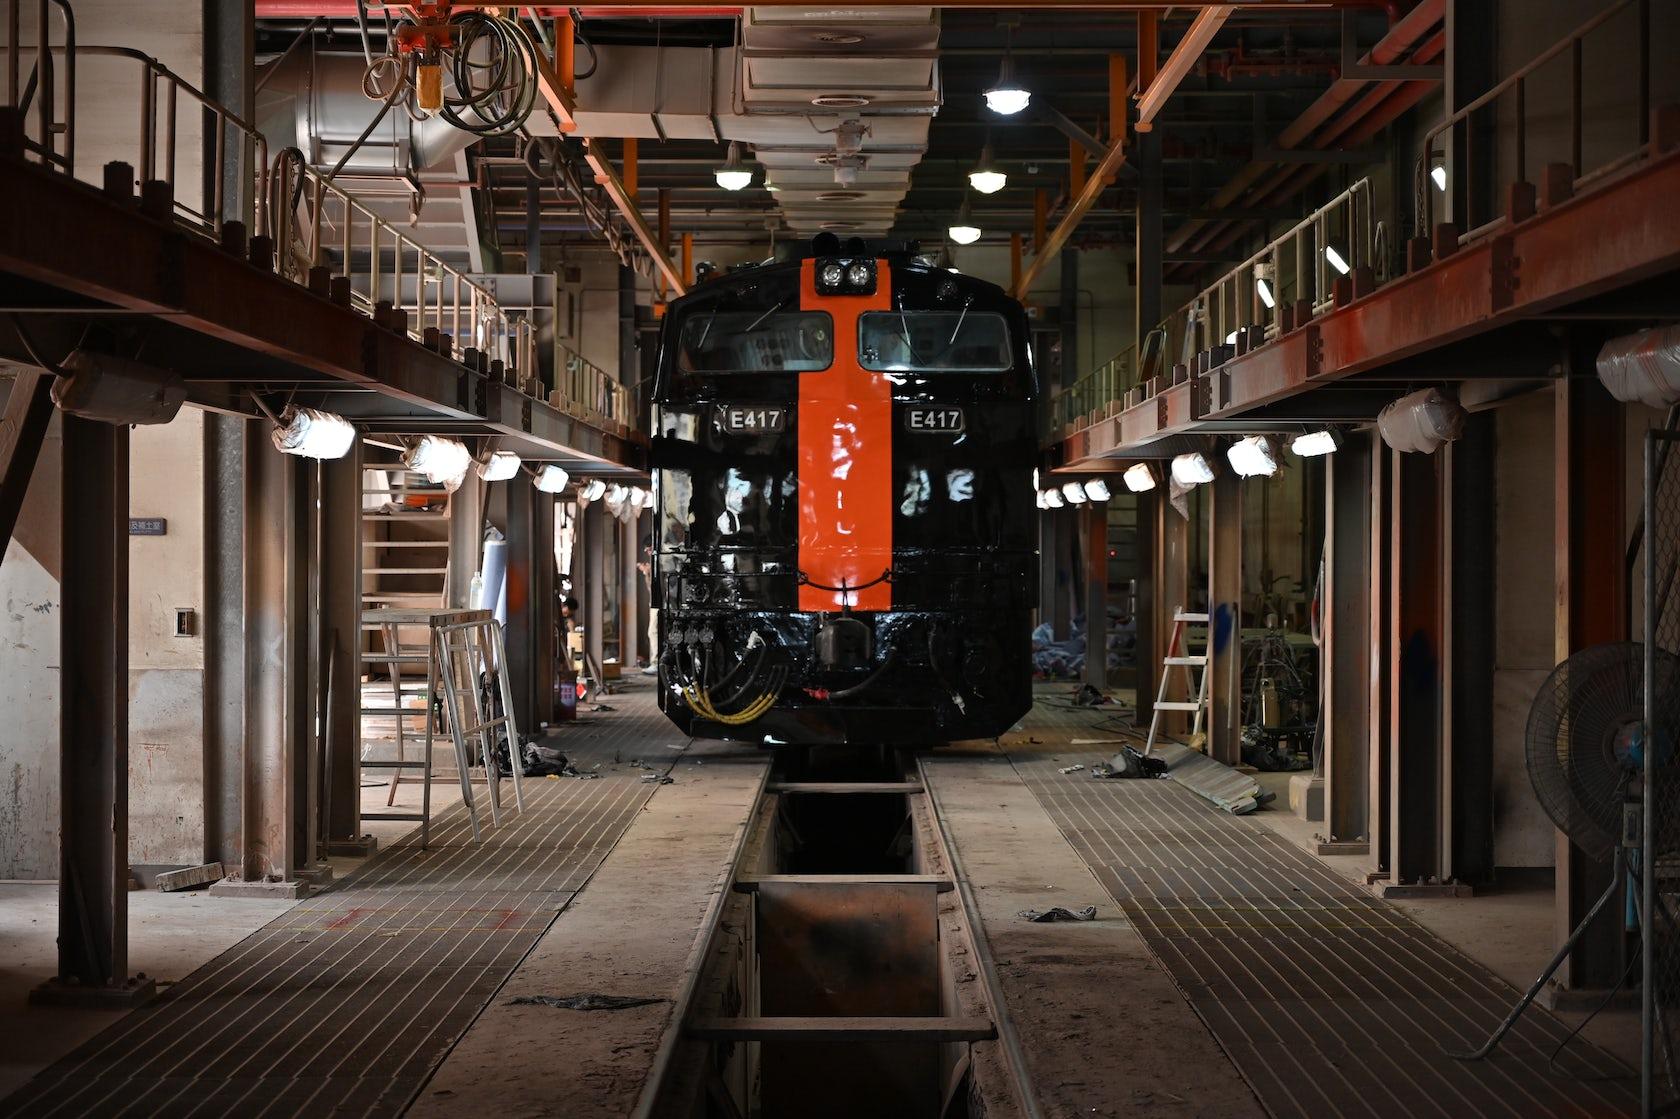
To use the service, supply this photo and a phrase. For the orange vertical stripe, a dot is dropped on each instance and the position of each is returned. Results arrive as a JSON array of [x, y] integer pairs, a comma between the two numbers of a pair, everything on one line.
[[845, 460]]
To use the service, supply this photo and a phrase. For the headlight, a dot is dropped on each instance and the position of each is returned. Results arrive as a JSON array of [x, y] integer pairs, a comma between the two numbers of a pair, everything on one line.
[[832, 274], [860, 274]]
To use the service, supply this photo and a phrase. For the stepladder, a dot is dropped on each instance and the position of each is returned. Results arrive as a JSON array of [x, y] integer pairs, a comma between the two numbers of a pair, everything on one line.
[[1192, 670], [470, 662]]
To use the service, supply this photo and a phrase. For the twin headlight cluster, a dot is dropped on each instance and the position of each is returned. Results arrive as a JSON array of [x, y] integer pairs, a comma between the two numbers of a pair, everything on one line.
[[846, 277]]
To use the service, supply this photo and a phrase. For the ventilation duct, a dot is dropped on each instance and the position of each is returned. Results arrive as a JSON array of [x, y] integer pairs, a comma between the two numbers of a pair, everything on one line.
[[834, 103], [1643, 368]]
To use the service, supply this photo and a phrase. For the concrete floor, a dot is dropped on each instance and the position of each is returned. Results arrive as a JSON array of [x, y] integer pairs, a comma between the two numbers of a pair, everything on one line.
[[170, 936]]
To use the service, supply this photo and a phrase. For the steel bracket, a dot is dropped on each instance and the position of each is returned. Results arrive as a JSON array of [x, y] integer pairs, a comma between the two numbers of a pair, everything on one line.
[[1315, 350], [1503, 268]]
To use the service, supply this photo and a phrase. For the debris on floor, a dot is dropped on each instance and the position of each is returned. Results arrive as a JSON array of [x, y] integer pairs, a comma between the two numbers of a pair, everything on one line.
[[536, 760], [584, 1002], [1130, 763], [1075, 768], [659, 778], [1059, 913], [1237, 793]]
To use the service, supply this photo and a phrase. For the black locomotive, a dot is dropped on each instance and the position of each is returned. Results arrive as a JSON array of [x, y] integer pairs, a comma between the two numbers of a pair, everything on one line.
[[843, 462]]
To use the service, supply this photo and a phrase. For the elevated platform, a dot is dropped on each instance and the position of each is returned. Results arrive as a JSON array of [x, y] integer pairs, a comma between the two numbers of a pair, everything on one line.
[[222, 318], [1606, 254]]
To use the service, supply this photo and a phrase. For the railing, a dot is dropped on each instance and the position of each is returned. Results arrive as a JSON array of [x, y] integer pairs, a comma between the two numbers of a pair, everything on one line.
[[41, 92], [1462, 141], [584, 389], [314, 223], [1298, 265], [319, 225], [1301, 264]]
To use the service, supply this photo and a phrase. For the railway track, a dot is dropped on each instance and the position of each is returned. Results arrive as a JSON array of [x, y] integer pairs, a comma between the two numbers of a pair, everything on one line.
[[840, 973]]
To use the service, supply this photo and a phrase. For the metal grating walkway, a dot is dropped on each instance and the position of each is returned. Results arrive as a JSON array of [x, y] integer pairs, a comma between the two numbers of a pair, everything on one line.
[[1328, 1000], [347, 1002]]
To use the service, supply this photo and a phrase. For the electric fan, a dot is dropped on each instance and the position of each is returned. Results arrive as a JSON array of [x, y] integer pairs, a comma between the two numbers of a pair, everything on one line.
[[1586, 744]]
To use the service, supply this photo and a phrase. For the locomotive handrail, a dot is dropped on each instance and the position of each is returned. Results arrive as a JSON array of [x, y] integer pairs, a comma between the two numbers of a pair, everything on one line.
[[805, 580]]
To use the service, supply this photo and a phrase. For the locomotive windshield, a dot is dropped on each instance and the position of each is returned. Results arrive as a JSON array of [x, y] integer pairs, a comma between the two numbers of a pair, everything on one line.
[[934, 341], [767, 341]]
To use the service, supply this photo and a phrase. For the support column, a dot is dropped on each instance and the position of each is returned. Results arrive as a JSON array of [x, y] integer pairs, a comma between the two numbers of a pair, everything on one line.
[[1420, 766], [1172, 570], [1590, 490], [629, 633], [1147, 677], [1095, 516], [93, 724], [224, 636], [1061, 572], [1069, 318], [278, 690], [596, 525], [1470, 625], [1344, 659], [1377, 801], [1225, 650], [466, 539], [340, 633], [530, 599]]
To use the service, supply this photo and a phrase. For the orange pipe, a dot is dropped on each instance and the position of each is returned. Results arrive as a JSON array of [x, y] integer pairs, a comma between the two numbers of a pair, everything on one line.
[[565, 46], [628, 175], [688, 258]]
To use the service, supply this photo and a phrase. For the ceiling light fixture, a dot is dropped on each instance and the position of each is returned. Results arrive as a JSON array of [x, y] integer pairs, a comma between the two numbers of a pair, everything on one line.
[[1074, 492], [1007, 96], [593, 490], [1252, 457], [1097, 490], [1312, 443], [734, 174], [439, 459], [312, 433], [1335, 259], [987, 177], [963, 230], [1139, 477], [499, 467], [1438, 174], [550, 478], [1052, 499], [1192, 469]]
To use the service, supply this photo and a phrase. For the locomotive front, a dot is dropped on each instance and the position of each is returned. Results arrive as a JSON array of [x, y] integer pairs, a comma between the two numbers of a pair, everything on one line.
[[843, 549]]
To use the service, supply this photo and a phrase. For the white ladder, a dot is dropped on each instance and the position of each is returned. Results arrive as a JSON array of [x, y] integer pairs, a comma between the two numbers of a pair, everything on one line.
[[470, 664], [1177, 658]]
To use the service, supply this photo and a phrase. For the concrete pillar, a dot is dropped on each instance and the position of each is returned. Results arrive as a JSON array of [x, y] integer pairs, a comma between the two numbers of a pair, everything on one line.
[[340, 641], [1225, 648], [1589, 483], [1095, 516], [93, 723], [1344, 658]]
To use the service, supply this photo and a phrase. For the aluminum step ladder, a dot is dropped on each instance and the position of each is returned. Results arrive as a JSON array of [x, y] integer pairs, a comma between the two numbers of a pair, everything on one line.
[[469, 658], [1195, 682]]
